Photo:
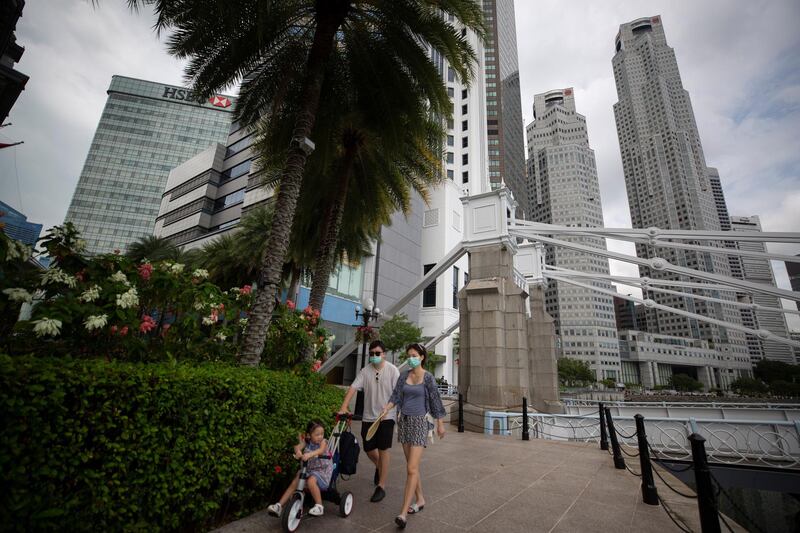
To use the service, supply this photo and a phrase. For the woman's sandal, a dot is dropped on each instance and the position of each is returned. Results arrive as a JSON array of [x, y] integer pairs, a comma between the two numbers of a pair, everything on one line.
[[401, 523], [414, 508]]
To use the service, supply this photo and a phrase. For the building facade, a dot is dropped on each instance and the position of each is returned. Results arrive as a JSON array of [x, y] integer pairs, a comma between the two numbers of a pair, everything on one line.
[[16, 225], [504, 102], [760, 271], [650, 360], [793, 269], [667, 180], [12, 82], [146, 129], [564, 190]]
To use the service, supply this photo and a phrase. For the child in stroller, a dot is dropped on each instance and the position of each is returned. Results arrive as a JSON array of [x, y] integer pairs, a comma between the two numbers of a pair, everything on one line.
[[318, 474]]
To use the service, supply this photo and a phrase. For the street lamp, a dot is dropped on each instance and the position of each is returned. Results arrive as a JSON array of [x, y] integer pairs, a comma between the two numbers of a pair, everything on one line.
[[370, 312]]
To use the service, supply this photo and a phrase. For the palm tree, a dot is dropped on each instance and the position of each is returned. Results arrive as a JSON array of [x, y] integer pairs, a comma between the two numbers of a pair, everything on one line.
[[153, 249], [282, 49]]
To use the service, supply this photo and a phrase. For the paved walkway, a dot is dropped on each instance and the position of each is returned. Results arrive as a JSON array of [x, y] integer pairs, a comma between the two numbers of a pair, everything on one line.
[[483, 483]]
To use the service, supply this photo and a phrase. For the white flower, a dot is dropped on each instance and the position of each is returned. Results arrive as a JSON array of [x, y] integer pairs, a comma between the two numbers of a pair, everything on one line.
[[128, 299], [201, 273], [209, 320], [80, 245], [46, 326], [199, 306], [91, 294], [120, 277], [17, 250], [56, 275], [18, 295], [95, 322], [221, 336], [177, 268], [243, 322]]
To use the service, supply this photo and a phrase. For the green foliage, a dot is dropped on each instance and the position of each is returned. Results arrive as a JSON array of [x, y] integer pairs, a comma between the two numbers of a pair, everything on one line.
[[16, 270], [609, 383], [772, 371], [574, 372], [398, 332], [784, 388], [294, 338], [748, 386], [151, 248], [683, 382], [93, 445]]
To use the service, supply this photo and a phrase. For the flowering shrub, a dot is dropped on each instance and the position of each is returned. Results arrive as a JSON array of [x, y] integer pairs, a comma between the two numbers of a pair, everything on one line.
[[366, 334], [295, 337], [111, 307]]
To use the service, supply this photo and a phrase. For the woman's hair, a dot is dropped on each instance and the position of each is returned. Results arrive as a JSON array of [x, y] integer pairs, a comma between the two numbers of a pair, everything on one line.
[[421, 350], [314, 424]]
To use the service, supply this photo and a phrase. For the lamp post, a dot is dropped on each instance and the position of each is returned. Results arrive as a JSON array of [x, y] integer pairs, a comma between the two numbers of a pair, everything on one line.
[[370, 312]]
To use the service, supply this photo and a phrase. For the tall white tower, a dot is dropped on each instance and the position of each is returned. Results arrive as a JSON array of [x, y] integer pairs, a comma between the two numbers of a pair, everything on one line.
[[564, 190], [667, 179]]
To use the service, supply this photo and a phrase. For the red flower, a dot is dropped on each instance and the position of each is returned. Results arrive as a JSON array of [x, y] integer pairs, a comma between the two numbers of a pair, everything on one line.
[[221, 307], [81, 276], [145, 271], [113, 330], [316, 313], [316, 365], [290, 304], [123, 331], [164, 329], [247, 289], [147, 324], [278, 469]]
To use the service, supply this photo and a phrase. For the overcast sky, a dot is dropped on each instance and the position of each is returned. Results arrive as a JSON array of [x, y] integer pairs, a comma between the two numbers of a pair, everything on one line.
[[739, 60]]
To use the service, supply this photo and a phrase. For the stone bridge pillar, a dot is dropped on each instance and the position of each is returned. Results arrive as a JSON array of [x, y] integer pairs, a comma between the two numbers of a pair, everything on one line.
[[507, 340]]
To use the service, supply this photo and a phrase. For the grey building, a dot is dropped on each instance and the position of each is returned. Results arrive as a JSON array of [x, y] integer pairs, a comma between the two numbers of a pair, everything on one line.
[[564, 191], [667, 179], [503, 102], [760, 271], [146, 129], [16, 225], [793, 269]]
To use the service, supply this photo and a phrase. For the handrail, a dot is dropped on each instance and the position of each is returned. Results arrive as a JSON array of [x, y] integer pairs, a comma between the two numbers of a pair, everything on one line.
[[714, 405]]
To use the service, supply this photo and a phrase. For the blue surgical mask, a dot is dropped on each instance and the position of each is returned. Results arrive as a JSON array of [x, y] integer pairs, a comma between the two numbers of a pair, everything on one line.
[[414, 362], [375, 359]]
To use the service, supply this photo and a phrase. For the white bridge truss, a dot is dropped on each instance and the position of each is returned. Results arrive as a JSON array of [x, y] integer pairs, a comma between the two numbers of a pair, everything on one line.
[[489, 218]]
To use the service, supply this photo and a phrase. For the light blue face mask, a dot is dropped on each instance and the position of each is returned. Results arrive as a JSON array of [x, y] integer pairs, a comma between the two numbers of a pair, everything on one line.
[[413, 362], [375, 359]]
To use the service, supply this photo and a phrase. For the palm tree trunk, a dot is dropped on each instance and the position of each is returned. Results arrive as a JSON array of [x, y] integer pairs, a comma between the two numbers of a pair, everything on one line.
[[330, 15], [294, 284], [323, 263]]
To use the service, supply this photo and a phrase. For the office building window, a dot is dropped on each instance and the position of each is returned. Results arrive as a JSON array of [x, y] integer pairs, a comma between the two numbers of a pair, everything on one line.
[[455, 287], [429, 293]]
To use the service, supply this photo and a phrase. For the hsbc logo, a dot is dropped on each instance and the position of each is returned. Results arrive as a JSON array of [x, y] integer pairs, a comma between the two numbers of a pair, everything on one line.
[[219, 101], [173, 93]]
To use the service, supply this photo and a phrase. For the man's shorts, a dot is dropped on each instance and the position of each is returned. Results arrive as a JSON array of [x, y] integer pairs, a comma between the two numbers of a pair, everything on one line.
[[382, 440]]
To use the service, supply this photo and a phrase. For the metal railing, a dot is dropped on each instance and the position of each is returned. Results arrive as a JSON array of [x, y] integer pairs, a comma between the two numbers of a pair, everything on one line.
[[568, 402], [448, 391], [774, 443]]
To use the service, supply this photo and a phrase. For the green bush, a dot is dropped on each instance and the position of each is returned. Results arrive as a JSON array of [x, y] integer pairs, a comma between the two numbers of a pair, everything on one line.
[[87, 444], [685, 383]]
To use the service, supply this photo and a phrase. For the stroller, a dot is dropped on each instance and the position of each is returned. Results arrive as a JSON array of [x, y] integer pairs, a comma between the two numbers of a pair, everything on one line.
[[295, 508]]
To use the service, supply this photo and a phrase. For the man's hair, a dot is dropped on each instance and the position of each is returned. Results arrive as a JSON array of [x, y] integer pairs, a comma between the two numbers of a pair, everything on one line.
[[377, 344]]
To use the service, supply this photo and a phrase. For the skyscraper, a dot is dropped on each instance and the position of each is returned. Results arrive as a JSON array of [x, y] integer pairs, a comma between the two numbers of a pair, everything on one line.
[[564, 190], [12, 82], [760, 271], [16, 225], [793, 269], [668, 182], [503, 101], [146, 129]]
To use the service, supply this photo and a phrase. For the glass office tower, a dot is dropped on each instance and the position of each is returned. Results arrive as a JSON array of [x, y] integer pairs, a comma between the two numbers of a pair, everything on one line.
[[146, 130]]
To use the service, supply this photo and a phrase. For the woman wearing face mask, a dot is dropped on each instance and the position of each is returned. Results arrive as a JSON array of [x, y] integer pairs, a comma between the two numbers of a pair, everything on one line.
[[415, 395]]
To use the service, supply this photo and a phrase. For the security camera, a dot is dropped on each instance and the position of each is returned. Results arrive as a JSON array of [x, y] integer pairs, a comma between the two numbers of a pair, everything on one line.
[[304, 143]]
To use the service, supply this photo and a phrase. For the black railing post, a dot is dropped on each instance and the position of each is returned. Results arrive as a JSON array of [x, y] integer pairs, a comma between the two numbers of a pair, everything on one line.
[[603, 434], [619, 461], [706, 500], [649, 493], [525, 428], [460, 413]]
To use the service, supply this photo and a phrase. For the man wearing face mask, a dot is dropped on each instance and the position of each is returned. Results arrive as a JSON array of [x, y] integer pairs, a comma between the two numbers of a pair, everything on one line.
[[377, 380]]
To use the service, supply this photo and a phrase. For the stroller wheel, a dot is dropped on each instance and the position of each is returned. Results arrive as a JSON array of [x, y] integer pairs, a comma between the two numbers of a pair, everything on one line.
[[346, 504], [292, 513]]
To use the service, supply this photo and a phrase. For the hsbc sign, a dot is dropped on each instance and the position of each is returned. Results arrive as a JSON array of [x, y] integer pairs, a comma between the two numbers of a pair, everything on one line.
[[173, 93]]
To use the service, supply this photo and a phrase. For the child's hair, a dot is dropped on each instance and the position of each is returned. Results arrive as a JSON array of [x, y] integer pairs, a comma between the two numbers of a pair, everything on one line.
[[314, 424]]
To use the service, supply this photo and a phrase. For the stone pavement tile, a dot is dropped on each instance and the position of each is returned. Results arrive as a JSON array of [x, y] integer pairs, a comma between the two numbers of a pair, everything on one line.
[[535, 509], [600, 491], [464, 508], [561, 483], [439, 487], [423, 524], [587, 515], [467, 473]]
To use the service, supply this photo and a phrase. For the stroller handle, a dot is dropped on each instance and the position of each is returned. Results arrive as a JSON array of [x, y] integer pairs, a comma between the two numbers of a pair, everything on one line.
[[342, 416]]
